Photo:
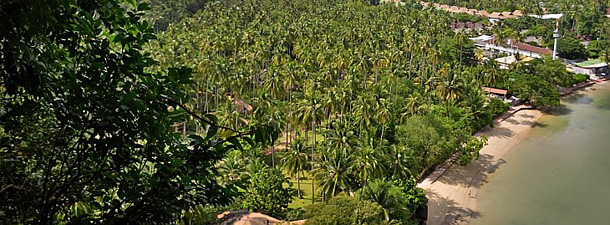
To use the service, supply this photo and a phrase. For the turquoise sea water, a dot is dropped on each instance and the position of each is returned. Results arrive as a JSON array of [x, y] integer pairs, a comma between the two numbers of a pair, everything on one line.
[[560, 173]]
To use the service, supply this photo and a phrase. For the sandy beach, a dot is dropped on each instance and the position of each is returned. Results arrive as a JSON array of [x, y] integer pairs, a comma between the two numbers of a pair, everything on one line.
[[452, 198], [452, 189]]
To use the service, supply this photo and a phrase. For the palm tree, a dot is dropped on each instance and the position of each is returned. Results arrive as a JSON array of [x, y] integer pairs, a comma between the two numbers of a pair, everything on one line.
[[341, 137], [333, 172], [388, 196], [402, 161], [369, 160], [309, 112], [295, 160], [231, 168], [362, 110], [383, 113]]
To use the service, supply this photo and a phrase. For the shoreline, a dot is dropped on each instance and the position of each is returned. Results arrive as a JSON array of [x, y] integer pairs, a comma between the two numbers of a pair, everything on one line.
[[452, 190]]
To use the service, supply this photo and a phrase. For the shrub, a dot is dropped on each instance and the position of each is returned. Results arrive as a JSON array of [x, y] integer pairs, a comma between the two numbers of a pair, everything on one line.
[[579, 78], [343, 209], [267, 194]]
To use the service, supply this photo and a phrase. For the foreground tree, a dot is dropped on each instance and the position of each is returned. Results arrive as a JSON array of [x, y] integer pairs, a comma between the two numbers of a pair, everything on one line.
[[88, 130]]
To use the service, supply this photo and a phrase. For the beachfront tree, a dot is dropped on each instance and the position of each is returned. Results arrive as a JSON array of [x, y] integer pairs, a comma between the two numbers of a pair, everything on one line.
[[388, 196]]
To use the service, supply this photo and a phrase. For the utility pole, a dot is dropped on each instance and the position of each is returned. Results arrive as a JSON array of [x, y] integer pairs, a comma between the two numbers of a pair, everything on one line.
[[556, 36]]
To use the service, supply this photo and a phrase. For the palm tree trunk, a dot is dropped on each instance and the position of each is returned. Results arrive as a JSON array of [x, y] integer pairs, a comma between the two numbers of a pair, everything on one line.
[[334, 187], [299, 186], [382, 129], [207, 87], [313, 150], [216, 90], [272, 153]]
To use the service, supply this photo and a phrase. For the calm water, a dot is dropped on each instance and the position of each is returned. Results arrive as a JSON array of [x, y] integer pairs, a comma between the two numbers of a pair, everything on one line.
[[560, 174]]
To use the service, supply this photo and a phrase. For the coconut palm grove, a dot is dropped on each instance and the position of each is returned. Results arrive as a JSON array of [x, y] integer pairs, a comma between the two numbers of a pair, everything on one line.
[[314, 111]]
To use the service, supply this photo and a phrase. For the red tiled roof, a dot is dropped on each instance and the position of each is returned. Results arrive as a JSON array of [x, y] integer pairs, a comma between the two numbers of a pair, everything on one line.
[[531, 48], [495, 15], [495, 90]]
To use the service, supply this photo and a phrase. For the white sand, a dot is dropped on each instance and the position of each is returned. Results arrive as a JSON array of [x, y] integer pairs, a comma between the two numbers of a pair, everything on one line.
[[452, 198]]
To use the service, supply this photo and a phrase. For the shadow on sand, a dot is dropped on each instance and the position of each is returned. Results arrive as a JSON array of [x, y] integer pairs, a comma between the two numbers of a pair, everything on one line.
[[485, 165], [501, 132], [473, 177], [454, 212]]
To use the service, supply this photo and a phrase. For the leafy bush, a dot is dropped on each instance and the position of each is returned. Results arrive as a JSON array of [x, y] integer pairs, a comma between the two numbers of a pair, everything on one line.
[[497, 107], [343, 209], [294, 214], [200, 215], [579, 78], [267, 194]]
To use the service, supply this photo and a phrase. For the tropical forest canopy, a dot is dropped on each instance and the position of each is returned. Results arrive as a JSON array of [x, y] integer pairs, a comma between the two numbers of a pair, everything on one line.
[[110, 116]]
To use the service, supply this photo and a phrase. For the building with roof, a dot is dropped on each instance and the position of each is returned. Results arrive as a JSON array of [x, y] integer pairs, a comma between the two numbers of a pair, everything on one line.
[[505, 62], [495, 91], [458, 26], [548, 16], [473, 12], [483, 13], [592, 67], [487, 43]]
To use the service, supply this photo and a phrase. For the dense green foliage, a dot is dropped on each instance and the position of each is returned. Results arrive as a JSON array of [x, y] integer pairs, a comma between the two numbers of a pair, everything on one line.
[[531, 6], [344, 209], [385, 95], [267, 194], [88, 127], [395, 200], [536, 81], [165, 12], [101, 122], [570, 48]]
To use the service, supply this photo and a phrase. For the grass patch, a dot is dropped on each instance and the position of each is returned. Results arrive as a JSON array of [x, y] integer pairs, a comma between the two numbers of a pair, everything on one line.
[[305, 191]]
